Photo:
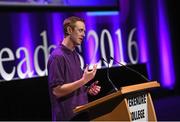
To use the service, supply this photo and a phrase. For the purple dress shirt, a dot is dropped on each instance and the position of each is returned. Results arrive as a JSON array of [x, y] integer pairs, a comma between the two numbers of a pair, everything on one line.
[[64, 67]]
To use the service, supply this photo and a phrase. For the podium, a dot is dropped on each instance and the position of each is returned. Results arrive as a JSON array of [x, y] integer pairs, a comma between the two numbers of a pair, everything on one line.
[[130, 103]]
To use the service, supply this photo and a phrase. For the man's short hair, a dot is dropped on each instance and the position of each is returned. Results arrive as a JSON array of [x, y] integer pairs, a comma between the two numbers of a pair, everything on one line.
[[70, 21]]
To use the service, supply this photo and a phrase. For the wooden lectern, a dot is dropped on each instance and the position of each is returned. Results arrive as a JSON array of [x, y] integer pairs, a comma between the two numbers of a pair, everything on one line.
[[124, 105]]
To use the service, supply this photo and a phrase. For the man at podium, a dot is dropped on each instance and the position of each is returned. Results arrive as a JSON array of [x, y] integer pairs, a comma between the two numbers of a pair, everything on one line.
[[66, 78]]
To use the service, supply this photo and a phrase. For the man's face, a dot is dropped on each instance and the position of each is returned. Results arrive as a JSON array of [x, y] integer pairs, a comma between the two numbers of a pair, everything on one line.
[[78, 33]]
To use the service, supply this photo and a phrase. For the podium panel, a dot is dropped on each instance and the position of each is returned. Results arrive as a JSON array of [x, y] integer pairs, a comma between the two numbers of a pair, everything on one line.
[[137, 105], [110, 110]]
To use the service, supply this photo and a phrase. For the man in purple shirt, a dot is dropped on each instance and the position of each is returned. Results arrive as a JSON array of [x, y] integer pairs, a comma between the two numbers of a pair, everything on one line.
[[66, 79]]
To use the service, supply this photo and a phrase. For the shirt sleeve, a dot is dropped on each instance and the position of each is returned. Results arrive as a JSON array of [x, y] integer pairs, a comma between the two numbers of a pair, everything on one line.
[[56, 71]]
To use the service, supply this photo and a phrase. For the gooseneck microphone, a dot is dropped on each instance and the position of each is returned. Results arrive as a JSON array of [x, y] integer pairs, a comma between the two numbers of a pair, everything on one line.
[[107, 73], [138, 73]]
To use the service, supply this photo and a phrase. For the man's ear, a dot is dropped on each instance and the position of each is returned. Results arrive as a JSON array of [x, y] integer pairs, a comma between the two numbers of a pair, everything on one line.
[[69, 30]]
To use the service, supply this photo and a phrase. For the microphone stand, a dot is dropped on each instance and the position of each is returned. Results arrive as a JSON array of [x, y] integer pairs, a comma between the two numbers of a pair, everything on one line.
[[107, 73]]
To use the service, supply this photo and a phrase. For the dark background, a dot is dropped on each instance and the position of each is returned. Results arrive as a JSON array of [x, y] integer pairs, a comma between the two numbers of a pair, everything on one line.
[[173, 8]]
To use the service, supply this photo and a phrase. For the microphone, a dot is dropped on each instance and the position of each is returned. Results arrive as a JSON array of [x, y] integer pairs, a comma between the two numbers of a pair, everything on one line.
[[107, 73], [141, 75]]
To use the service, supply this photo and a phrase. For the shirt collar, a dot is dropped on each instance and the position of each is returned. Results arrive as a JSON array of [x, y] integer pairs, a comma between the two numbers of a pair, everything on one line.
[[66, 49]]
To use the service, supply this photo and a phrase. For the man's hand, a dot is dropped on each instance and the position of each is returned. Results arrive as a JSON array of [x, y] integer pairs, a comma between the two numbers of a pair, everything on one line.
[[89, 75], [94, 89]]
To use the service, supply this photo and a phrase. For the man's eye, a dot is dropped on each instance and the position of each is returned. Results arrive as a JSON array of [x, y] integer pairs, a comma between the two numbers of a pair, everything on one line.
[[81, 30]]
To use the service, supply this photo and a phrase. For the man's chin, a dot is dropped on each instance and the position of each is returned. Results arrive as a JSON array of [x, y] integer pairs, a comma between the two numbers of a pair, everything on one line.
[[78, 43]]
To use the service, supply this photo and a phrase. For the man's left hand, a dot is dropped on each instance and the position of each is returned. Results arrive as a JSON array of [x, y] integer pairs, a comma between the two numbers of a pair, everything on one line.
[[94, 89]]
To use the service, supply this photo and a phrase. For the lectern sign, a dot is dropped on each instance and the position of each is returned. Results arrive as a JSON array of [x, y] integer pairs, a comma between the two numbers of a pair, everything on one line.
[[138, 107]]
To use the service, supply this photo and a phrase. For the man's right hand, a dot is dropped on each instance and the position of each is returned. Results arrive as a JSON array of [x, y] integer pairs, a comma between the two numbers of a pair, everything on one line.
[[89, 75]]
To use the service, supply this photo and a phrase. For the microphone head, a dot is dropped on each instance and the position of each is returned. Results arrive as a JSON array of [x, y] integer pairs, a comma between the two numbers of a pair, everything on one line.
[[111, 58], [102, 59]]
